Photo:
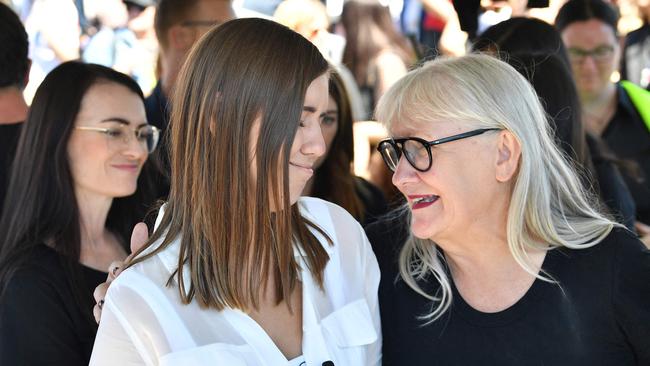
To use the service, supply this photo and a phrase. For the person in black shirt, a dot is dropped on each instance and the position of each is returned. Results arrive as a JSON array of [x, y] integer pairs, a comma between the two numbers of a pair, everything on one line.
[[589, 31], [635, 58], [536, 50], [179, 25], [14, 71], [69, 210], [502, 258]]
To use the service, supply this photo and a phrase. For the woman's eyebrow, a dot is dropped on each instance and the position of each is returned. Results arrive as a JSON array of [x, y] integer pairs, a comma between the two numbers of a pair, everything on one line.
[[116, 119]]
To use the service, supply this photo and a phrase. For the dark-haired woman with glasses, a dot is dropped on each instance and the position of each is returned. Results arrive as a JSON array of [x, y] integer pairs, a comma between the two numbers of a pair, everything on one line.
[[618, 113], [507, 258], [72, 201]]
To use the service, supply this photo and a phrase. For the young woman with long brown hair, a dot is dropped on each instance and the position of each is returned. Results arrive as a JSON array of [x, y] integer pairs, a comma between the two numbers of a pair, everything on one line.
[[240, 269]]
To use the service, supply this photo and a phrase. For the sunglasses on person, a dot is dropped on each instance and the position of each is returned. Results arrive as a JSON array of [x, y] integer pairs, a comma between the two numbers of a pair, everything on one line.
[[416, 150]]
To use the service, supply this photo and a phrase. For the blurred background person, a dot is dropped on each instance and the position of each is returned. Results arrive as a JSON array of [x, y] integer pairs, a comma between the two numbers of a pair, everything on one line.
[[535, 48], [69, 211], [597, 168], [375, 51], [635, 62], [588, 29], [333, 178], [179, 24], [125, 40], [53, 29], [310, 19], [14, 74]]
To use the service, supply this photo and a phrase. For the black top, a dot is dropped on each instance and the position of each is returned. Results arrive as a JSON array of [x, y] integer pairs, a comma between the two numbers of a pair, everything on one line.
[[599, 314], [9, 134], [373, 200], [157, 109], [636, 56], [613, 190], [628, 137], [40, 322]]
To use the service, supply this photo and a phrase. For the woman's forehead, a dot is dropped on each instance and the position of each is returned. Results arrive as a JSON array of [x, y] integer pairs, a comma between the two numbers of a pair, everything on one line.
[[430, 129]]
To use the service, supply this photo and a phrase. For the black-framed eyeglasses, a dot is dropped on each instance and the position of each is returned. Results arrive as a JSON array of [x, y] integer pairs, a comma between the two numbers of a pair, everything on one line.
[[598, 54], [416, 150]]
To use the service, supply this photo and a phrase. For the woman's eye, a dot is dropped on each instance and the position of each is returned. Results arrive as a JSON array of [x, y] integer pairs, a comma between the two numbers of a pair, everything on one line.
[[328, 120], [114, 132]]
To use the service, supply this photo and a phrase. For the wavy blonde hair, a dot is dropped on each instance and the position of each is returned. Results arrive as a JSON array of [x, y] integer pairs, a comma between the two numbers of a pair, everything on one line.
[[549, 205]]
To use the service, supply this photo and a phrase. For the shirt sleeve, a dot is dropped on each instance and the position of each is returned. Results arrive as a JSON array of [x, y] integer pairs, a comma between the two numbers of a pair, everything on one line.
[[113, 343], [35, 324], [372, 289], [632, 295]]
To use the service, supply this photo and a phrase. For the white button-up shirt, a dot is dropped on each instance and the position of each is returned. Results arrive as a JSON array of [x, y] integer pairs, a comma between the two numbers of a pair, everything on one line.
[[145, 323]]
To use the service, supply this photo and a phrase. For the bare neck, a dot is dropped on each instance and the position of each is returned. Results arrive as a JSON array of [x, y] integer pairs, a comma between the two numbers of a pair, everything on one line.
[[13, 107], [598, 109], [484, 270], [171, 62], [93, 212]]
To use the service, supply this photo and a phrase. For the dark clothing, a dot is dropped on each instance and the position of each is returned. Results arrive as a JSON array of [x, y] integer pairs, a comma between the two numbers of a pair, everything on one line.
[[635, 64], [613, 190], [598, 314], [628, 137], [40, 322], [372, 199], [157, 109], [9, 134]]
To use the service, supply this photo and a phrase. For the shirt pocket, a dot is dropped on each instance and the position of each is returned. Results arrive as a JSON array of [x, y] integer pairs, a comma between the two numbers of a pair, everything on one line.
[[352, 330], [213, 354]]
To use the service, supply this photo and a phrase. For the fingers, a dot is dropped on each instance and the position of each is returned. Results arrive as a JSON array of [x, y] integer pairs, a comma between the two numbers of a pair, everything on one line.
[[642, 228], [99, 294], [114, 270], [139, 236]]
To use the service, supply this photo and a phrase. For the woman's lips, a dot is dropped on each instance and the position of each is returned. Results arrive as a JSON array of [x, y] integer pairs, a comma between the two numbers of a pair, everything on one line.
[[422, 201], [305, 168], [127, 167]]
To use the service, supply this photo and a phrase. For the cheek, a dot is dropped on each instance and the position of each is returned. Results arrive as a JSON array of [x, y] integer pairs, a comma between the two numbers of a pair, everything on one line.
[[329, 132], [87, 160]]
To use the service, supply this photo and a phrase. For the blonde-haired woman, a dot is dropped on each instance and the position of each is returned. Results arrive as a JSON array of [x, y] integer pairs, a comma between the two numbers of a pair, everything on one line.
[[507, 261], [240, 269]]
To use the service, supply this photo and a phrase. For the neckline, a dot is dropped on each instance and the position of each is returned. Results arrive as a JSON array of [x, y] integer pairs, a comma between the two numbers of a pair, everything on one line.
[[516, 311], [83, 266]]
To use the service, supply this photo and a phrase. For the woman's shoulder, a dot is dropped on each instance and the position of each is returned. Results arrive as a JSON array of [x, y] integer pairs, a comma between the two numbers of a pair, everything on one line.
[[321, 211], [40, 276]]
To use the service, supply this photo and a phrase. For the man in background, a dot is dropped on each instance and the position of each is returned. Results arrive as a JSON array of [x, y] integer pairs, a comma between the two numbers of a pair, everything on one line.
[[14, 71]]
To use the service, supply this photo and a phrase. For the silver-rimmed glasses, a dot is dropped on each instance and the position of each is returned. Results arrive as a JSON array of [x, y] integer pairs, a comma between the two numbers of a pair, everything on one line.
[[146, 135]]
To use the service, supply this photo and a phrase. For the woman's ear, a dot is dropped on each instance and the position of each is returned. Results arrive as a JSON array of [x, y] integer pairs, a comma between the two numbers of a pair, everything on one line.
[[508, 156]]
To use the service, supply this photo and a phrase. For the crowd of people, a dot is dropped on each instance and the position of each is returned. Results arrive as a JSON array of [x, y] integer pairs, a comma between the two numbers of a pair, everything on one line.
[[177, 184]]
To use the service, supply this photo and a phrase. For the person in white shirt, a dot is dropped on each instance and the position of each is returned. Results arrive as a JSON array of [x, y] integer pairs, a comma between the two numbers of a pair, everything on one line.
[[240, 270]]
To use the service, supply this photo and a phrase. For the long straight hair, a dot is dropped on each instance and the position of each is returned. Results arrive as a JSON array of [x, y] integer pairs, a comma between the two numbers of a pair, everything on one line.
[[245, 74], [362, 19], [40, 205], [334, 180], [549, 206]]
